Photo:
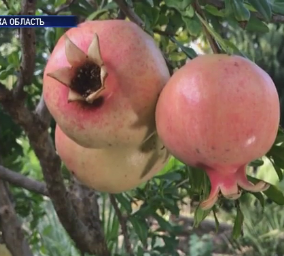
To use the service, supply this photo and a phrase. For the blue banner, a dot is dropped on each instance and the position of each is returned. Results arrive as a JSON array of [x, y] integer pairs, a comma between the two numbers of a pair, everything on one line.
[[28, 21]]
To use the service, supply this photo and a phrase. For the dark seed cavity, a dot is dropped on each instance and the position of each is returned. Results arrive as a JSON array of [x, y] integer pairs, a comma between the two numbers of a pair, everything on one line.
[[87, 79]]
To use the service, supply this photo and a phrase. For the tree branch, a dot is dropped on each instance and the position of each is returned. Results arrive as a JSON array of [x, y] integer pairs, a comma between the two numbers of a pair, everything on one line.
[[22, 181], [42, 144], [123, 224], [129, 12], [11, 227], [28, 49], [86, 205], [213, 44]]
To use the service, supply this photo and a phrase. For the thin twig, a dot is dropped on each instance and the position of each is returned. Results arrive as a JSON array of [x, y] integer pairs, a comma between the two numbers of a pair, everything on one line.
[[129, 12], [123, 224], [213, 44], [22, 181]]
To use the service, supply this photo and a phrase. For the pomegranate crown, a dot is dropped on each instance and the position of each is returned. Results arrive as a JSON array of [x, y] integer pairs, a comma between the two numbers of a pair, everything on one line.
[[86, 76]]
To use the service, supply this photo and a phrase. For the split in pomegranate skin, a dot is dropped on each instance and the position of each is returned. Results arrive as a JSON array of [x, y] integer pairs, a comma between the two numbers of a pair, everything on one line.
[[102, 82], [224, 112]]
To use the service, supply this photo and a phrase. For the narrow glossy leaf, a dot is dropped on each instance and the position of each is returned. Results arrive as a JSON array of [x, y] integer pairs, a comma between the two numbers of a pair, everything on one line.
[[263, 7], [241, 13], [140, 227], [96, 14], [259, 197], [237, 229], [277, 169], [214, 10], [256, 163], [193, 25], [188, 12], [151, 2], [256, 25], [164, 224], [200, 215], [272, 192], [228, 8], [190, 53], [277, 6], [178, 5], [216, 219], [124, 202], [215, 35]]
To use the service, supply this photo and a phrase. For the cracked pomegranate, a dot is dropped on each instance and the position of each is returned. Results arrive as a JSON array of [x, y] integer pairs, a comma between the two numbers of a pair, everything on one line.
[[112, 169], [219, 113], [102, 81]]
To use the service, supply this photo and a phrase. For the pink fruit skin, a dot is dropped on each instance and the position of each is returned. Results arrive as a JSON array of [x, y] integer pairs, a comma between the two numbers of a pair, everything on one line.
[[219, 112], [136, 75]]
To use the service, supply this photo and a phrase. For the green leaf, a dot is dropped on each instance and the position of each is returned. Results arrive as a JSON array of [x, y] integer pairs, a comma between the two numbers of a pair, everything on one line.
[[151, 2], [216, 218], [237, 229], [263, 7], [200, 215], [259, 197], [272, 192], [124, 202], [256, 163], [193, 25], [96, 14], [256, 25], [59, 2], [190, 53], [7, 72], [215, 35], [189, 12], [241, 13], [164, 224], [229, 9], [180, 5], [277, 6], [140, 227], [152, 17], [214, 10]]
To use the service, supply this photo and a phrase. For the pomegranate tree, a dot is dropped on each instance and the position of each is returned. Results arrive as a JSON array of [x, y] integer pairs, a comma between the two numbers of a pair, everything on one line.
[[102, 81], [112, 169], [219, 113]]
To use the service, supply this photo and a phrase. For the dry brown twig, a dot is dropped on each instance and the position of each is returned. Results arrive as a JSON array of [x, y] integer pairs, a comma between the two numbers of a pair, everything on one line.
[[123, 224]]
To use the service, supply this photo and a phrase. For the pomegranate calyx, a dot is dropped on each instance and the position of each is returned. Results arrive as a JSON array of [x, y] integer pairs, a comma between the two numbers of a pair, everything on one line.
[[230, 185], [87, 74]]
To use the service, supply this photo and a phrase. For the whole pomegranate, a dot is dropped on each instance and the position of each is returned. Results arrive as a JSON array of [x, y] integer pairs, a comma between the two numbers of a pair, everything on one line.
[[219, 113], [111, 169], [102, 81]]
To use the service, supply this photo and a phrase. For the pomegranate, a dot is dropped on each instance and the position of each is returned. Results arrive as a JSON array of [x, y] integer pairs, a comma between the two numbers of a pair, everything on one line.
[[218, 113], [112, 169], [102, 81]]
